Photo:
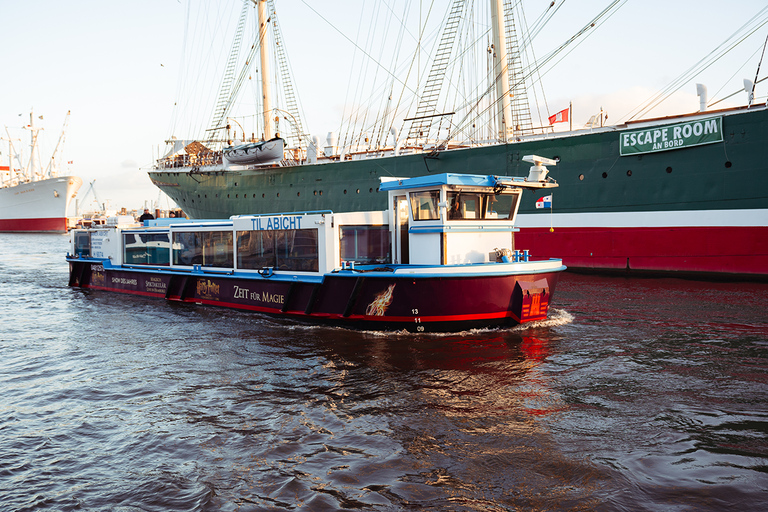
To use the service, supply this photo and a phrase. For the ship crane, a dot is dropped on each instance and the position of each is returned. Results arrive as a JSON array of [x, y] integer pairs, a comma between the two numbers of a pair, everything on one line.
[[91, 188], [52, 170], [11, 179]]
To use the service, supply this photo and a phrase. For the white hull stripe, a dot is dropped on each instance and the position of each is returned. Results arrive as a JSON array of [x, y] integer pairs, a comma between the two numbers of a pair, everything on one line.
[[688, 218]]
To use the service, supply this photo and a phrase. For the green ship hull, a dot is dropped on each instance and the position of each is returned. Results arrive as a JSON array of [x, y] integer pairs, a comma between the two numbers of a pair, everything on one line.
[[702, 200]]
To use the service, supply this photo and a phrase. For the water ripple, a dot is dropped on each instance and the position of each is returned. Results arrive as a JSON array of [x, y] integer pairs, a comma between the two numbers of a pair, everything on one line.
[[636, 394]]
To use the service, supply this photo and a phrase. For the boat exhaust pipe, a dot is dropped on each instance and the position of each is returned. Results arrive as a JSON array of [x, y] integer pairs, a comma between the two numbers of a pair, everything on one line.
[[701, 90], [749, 88]]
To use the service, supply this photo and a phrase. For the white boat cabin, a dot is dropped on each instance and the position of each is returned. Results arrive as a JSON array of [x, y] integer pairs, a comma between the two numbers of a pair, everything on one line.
[[446, 219]]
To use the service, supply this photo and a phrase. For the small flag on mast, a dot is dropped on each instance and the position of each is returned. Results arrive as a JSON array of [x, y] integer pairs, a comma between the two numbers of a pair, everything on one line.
[[544, 202], [560, 117]]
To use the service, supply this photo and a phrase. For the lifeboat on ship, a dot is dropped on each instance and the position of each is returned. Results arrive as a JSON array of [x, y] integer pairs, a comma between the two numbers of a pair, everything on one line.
[[262, 152]]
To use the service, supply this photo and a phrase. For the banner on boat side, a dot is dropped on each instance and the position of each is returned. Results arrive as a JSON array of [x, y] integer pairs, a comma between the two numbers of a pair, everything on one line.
[[673, 136]]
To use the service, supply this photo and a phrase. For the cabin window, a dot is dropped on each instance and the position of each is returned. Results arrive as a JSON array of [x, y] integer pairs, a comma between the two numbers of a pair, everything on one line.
[[424, 204], [146, 249], [365, 244], [207, 248], [281, 249], [502, 206], [465, 205], [82, 244], [473, 206]]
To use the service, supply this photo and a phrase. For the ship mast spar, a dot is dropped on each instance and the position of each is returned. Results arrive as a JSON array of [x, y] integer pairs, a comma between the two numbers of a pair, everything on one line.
[[500, 69], [32, 172], [266, 91]]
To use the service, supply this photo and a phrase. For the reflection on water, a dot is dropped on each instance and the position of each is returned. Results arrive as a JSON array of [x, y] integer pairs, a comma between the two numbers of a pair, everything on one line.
[[636, 394]]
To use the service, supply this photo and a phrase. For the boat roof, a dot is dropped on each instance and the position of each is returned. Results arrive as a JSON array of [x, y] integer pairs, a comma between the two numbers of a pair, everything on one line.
[[475, 180]]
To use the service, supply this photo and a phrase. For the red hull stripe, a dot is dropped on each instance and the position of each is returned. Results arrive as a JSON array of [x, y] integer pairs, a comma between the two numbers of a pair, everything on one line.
[[336, 316], [58, 225], [735, 250], [382, 319]]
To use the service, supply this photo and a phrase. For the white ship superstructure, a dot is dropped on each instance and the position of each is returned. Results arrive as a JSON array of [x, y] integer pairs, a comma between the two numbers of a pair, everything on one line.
[[33, 198]]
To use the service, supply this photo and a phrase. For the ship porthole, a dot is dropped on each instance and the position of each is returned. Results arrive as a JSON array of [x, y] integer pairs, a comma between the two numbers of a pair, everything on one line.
[[629, 173], [55, 193], [262, 196], [728, 164], [345, 191], [370, 190], [605, 175], [278, 194], [315, 193], [358, 191], [581, 177], [298, 194], [321, 192], [669, 170]]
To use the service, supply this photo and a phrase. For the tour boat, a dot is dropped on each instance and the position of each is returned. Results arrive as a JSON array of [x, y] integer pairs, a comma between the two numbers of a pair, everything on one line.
[[442, 257]]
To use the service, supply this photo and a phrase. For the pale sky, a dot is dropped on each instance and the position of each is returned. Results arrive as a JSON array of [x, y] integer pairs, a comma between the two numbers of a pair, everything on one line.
[[116, 67]]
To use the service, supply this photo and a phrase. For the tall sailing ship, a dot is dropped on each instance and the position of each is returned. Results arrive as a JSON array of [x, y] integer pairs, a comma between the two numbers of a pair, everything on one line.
[[33, 198], [685, 193]]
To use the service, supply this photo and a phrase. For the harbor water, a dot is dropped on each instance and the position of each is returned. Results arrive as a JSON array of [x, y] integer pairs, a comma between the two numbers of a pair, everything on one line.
[[637, 394]]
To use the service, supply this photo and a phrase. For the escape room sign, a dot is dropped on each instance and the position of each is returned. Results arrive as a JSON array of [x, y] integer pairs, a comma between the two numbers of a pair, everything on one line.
[[673, 136]]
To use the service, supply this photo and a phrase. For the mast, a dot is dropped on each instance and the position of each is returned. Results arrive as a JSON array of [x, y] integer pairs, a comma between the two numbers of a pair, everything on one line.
[[266, 90], [500, 69], [33, 166]]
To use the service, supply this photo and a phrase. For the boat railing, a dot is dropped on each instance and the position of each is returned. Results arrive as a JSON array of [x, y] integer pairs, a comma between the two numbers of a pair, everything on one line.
[[193, 159]]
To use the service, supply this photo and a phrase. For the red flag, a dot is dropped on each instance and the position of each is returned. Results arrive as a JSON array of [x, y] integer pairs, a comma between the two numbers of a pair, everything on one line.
[[560, 117]]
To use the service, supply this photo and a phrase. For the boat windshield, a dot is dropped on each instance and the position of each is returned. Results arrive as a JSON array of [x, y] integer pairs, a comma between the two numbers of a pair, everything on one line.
[[424, 204], [474, 205], [82, 244]]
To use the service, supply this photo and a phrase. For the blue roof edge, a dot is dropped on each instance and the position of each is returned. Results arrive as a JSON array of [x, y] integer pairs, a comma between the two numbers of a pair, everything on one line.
[[478, 180]]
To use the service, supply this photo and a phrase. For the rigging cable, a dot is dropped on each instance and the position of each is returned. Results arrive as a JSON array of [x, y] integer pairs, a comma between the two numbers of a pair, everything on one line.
[[719, 52], [609, 10], [757, 71]]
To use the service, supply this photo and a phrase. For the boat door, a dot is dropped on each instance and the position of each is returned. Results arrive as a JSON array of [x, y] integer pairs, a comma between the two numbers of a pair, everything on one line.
[[401, 230]]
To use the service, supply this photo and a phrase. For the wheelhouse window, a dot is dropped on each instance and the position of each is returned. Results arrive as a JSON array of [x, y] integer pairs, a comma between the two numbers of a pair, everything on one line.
[[82, 241], [465, 205], [365, 244], [146, 249], [473, 206], [424, 204], [207, 248], [281, 249]]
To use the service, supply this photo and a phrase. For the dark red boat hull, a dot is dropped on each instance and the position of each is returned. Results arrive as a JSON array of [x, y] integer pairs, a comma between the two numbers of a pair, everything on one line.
[[352, 299]]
